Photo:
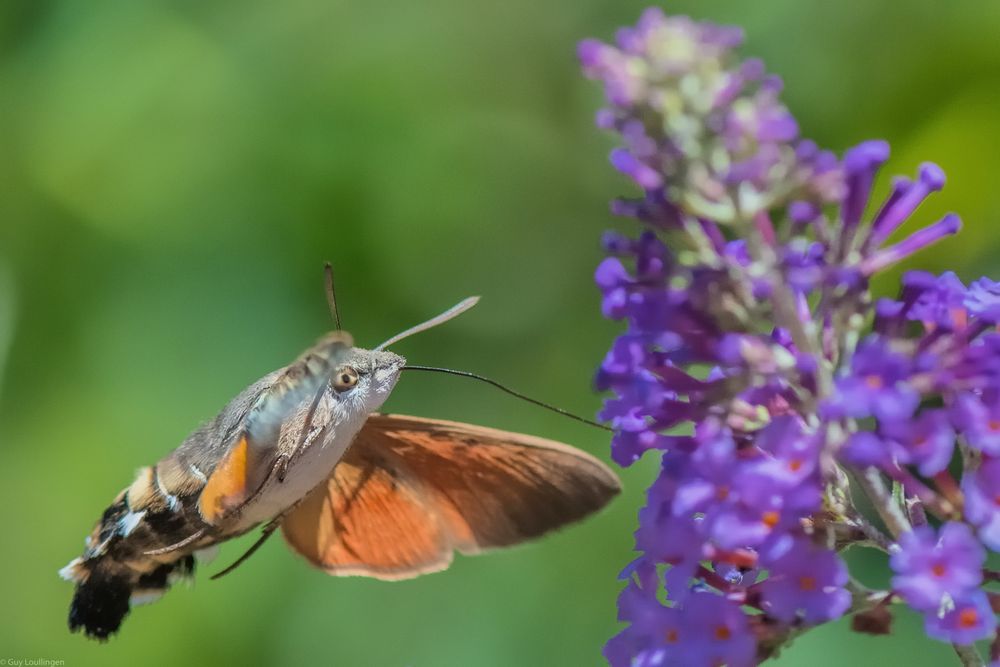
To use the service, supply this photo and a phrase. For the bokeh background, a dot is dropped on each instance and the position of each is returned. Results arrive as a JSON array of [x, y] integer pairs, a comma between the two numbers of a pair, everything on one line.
[[173, 175]]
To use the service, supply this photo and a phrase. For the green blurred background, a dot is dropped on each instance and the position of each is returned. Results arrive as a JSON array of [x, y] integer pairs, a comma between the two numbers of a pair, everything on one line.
[[173, 175]]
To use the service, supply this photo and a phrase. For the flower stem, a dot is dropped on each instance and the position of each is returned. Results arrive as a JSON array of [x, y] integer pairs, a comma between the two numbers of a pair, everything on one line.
[[873, 485], [784, 303], [968, 655], [935, 503], [864, 598], [915, 510], [873, 535]]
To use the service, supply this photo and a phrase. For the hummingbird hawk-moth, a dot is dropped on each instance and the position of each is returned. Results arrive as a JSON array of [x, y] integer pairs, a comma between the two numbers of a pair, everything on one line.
[[354, 491]]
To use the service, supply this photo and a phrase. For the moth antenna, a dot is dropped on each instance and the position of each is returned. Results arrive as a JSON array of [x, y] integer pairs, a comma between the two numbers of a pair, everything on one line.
[[331, 294], [266, 533], [508, 390], [451, 313]]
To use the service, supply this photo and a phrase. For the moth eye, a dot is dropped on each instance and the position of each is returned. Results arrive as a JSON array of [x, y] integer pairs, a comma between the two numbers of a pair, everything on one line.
[[344, 379]]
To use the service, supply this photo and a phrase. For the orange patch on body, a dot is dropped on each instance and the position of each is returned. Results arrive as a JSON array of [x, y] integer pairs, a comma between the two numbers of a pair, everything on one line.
[[227, 487]]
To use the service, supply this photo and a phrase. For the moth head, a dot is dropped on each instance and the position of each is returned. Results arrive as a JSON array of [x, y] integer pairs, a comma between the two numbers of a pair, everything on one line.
[[365, 379]]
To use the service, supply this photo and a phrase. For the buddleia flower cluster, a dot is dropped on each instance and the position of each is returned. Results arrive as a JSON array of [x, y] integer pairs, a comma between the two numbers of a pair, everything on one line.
[[775, 390]]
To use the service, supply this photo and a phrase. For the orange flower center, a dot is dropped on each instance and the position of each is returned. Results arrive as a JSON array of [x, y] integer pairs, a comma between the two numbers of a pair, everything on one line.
[[670, 636], [968, 618], [807, 583], [874, 381], [795, 465], [770, 519], [994, 425], [939, 570], [722, 633]]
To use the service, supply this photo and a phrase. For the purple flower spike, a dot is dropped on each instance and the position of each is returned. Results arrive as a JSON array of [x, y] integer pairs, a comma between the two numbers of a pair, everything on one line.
[[749, 367], [728, 128], [930, 567]]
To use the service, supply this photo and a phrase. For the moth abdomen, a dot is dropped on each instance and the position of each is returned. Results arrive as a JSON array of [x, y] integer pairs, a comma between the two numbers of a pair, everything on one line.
[[115, 571], [100, 602], [107, 589]]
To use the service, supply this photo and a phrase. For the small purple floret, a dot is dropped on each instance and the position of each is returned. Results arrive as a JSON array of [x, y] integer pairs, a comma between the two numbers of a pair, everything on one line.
[[931, 566], [969, 620], [806, 584]]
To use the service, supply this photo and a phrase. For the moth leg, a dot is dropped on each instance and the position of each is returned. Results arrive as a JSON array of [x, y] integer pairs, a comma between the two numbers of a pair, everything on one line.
[[279, 470], [285, 458], [281, 465], [264, 535], [197, 535]]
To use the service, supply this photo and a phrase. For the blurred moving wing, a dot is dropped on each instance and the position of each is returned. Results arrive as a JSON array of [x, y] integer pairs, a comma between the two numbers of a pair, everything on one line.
[[412, 490]]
